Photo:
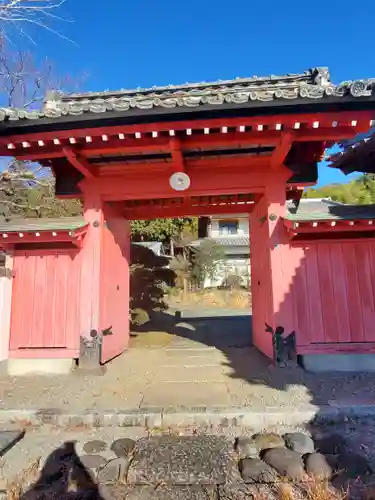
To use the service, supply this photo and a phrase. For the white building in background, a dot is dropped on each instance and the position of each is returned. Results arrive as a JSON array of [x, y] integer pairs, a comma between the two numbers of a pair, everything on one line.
[[231, 232]]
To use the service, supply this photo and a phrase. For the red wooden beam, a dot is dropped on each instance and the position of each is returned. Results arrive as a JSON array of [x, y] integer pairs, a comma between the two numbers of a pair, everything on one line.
[[176, 152], [141, 169], [307, 227], [282, 149], [185, 211], [80, 163], [285, 120], [156, 145], [44, 237]]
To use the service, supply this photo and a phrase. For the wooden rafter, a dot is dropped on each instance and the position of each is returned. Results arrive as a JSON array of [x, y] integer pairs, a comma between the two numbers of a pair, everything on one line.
[[325, 119], [80, 163], [147, 144], [176, 153], [282, 149]]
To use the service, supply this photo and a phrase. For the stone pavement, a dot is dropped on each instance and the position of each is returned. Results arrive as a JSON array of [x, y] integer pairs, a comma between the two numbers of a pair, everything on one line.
[[186, 371], [130, 463]]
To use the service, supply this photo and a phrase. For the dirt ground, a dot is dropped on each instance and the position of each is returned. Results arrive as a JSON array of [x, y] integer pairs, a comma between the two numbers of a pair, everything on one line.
[[198, 361]]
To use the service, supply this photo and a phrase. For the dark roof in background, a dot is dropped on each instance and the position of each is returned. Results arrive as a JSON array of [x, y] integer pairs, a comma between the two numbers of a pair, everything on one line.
[[43, 224], [232, 241], [357, 155], [312, 85]]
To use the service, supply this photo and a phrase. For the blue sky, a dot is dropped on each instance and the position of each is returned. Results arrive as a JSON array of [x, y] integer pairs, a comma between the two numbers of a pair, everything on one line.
[[126, 43]]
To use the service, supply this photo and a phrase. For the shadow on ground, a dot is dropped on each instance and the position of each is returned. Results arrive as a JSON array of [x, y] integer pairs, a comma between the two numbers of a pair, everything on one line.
[[63, 476], [232, 336]]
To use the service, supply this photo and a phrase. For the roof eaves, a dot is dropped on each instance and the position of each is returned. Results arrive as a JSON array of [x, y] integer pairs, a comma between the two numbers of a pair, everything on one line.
[[310, 85]]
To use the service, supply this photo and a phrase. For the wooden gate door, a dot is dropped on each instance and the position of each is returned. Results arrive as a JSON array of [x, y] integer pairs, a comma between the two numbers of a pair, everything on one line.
[[114, 290], [45, 304]]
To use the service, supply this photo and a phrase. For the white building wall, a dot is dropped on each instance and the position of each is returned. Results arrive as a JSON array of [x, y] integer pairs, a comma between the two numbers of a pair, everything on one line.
[[5, 307], [243, 226]]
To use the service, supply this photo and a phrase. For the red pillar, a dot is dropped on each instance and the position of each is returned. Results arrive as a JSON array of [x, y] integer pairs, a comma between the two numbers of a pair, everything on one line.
[[269, 255], [105, 275], [91, 257]]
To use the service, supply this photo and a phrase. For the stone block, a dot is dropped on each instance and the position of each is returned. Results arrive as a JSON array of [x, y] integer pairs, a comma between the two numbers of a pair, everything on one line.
[[8, 439], [254, 470], [299, 442], [286, 462], [181, 460], [162, 492], [318, 467]]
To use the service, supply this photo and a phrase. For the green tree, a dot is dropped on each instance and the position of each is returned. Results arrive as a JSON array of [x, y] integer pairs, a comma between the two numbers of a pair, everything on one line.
[[205, 259], [163, 229], [360, 191]]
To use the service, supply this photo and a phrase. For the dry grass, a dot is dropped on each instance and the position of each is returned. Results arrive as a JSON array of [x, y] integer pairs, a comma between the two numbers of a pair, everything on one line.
[[230, 299], [19, 485], [309, 490]]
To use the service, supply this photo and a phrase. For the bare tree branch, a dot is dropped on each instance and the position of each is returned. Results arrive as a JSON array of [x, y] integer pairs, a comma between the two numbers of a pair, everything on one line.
[[27, 188]]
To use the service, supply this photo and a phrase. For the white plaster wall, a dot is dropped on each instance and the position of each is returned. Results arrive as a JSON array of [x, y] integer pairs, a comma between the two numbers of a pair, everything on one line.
[[5, 307], [239, 266], [243, 227]]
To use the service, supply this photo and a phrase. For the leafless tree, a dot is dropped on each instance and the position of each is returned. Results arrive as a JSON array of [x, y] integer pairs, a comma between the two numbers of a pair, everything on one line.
[[18, 14], [25, 187]]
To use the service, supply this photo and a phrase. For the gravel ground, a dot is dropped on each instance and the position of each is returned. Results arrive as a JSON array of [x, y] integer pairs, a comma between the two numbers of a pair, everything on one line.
[[39, 443], [167, 368]]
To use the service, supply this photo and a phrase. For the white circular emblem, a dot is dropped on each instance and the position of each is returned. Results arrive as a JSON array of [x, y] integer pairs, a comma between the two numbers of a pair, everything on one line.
[[179, 181]]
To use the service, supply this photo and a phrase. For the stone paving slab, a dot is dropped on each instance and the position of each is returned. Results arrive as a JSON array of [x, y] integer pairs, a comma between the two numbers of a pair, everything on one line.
[[191, 466], [8, 439], [181, 460], [120, 492]]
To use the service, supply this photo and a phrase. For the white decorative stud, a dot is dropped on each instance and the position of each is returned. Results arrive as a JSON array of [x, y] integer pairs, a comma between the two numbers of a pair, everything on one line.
[[37, 234], [206, 130], [138, 135], [104, 137], [333, 223], [179, 181], [315, 124], [88, 138], [188, 131], [224, 130], [72, 140], [56, 141], [121, 136], [11, 146], [335, 124], [172, 133], [25, 144], [5, 235], [155, 134], [279, 126], [40, 143], [242, 128], [54, 234], [20, 235], [351, 223], [296, 224], [297, 125], [370, 222], [354, 123], [315, 224], [260, 128]]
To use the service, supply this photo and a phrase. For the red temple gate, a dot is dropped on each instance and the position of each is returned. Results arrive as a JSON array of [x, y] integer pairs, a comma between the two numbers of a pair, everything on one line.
[[228, 147]]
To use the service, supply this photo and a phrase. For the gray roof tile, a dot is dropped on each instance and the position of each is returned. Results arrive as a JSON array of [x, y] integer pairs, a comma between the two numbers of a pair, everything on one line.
[[312, 84], [320, 210], [227, 241], [44, 224]]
